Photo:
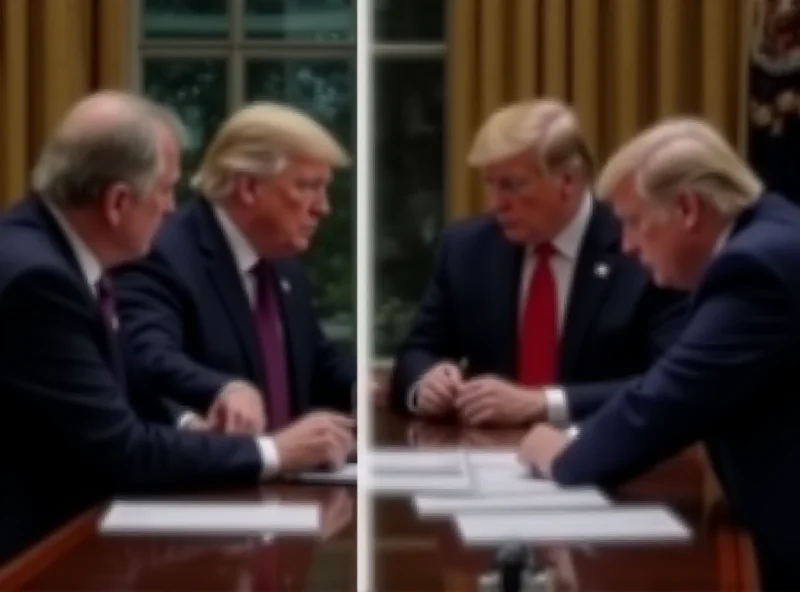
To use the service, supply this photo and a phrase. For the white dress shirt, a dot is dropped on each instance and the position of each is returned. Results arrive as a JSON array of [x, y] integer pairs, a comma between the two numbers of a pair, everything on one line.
[[92, 271], [567, 245]]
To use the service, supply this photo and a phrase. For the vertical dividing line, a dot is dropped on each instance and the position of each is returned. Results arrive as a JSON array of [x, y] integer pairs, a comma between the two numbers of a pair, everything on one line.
[[364, 288]]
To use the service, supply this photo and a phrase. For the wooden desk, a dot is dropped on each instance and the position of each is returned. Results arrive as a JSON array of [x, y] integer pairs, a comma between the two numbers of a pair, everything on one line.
[[413, 555], [77, 557]]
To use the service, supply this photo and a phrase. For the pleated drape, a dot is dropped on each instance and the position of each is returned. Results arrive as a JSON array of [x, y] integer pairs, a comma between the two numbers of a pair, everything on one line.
[[51, 53], [621, 63]]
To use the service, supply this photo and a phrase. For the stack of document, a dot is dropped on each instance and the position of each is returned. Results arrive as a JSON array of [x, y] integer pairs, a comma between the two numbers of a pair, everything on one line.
[[210, 518], [408, 471], [603, 525], [347, 475]]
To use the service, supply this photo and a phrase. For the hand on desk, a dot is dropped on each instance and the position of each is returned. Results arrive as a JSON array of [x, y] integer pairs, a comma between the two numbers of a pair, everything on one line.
[[489, 400], [541, 447], [238, 408], [317, 439]]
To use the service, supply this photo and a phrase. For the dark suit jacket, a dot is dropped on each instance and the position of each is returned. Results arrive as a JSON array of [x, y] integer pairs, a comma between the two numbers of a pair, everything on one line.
[[189, 328], [730, 380], [615, 325], [68, 434]]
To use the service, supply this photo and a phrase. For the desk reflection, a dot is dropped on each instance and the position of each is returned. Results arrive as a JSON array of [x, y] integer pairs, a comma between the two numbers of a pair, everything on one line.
[[283, 563], [421, 554]]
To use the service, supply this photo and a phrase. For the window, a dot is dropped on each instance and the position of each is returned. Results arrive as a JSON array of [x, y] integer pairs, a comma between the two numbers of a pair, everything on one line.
[[205, 58], [409, 180]]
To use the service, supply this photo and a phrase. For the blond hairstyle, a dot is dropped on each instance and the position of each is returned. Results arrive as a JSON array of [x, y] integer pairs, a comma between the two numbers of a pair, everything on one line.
[[260, 139], [549, 128], [682, 154]]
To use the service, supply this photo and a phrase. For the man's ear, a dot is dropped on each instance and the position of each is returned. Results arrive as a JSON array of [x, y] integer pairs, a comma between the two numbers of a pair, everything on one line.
[[116, 201]]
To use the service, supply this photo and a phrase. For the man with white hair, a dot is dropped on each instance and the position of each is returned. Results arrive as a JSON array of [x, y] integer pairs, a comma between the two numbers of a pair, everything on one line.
[[220, 316], [532, 313], [697, 217], [102, 185]]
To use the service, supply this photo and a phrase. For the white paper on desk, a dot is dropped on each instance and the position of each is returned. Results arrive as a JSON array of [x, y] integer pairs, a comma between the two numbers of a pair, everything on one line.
[[641, 524], [406, 483], [347, 475], [210, 518], [502, 458], [414, 461], [559, 500]]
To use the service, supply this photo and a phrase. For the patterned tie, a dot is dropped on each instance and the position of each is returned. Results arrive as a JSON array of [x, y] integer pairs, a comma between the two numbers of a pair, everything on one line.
[[538, 352], [273, 347]]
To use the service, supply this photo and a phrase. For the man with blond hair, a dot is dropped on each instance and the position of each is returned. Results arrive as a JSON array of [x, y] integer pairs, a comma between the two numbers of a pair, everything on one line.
[[101, 187], [532, 313], [697, 217], [219, 317]]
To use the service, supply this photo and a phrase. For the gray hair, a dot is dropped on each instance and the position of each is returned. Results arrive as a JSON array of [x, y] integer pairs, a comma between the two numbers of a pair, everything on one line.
[[111, 137]]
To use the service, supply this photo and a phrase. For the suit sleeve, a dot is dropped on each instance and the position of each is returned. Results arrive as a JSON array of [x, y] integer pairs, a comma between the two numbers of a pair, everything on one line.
[[153, 308], [61, 382], [660, 322], [432, 337], [737, 331]]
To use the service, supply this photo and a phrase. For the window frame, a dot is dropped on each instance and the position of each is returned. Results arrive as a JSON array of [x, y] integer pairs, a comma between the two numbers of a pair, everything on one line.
[[236, 49]]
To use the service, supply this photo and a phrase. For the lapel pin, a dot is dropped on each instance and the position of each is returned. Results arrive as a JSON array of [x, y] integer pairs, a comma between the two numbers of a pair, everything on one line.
[[285, 286], [601, 270]]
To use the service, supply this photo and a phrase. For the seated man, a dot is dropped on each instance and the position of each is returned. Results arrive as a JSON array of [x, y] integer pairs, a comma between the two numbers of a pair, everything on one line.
[[699, 218], [69, 437], [219, 316], [533, 312]]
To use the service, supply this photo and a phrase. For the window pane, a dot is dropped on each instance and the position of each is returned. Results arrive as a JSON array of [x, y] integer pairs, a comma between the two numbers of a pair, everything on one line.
[[326, 90], [409, 180], [197, 90], [410, 20], [301, 20], [186, 19]]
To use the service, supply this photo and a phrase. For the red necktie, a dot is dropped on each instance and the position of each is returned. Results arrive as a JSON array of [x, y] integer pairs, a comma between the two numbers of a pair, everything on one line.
[[538, 352]]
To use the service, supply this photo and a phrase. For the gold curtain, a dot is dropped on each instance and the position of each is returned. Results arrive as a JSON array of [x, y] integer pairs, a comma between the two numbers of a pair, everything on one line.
[[51, 53], [621, 63]]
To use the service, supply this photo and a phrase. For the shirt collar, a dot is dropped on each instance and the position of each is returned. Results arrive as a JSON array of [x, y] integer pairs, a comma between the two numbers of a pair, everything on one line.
[[722, 239], [568, 242], [244, 255], [89, 263]]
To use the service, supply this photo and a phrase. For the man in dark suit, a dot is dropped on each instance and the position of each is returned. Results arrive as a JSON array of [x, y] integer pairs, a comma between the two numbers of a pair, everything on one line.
[[533, 312], [69, 436], [221, 310], [694, 213]]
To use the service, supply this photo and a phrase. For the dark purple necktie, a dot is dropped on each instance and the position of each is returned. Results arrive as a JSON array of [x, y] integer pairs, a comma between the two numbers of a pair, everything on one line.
[[105, 298], [273, 347]]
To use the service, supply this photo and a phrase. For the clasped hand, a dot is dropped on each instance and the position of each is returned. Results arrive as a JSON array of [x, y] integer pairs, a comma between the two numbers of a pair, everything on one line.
[[480, 401]]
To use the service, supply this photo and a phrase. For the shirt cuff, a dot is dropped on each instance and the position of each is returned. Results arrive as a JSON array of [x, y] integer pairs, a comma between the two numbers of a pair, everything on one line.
[[573, 431], [270, 459], [185, 418], [557, 408]]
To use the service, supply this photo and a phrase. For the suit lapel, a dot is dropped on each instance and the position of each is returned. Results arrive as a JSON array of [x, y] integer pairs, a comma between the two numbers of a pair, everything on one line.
[[109, 334], [598, 260], [224, 276], [291, 317], [502, 285]]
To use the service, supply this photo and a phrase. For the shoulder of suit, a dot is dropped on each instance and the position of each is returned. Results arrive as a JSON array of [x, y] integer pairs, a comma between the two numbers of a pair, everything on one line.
[[177, 232], [24, 252], [471, 229]]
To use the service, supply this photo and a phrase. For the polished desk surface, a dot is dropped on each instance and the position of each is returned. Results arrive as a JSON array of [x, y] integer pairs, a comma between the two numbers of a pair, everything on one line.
[[414, 555], [78, 557]]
